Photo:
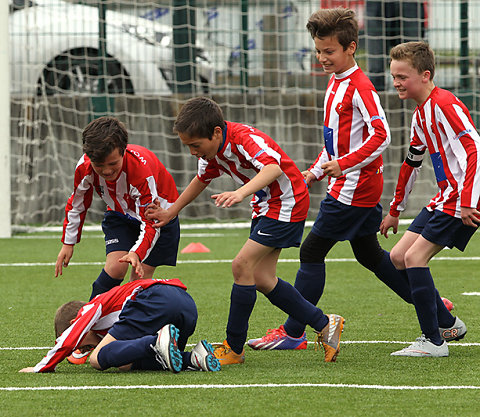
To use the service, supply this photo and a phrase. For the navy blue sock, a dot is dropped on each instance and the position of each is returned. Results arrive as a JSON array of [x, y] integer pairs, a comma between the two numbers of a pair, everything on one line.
[[444, 317], [123, 352], [310, 282], [288, 299], [103, 283], [393, 278], [425, 299], [242, 301]]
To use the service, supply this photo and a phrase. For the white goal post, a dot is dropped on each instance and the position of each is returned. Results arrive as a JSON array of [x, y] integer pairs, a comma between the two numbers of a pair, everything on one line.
[[5, 212]]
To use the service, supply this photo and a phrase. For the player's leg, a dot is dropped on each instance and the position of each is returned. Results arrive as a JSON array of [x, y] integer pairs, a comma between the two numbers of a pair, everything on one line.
[[152, 330], [370, 255], [286, 297], [120, 235], [164, 252], [242, 301], [111, 275], [310, 278]]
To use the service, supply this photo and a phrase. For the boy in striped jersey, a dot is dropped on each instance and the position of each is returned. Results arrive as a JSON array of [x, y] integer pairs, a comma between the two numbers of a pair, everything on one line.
[[355, 133], [144, 324], [441, 125], [279, 204], [127, 178]]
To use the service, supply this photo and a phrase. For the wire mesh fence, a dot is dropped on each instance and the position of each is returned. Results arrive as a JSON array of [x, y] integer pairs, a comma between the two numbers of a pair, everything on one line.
[[139, 60]]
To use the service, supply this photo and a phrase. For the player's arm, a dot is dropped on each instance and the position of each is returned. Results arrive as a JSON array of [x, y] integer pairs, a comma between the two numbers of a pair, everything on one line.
[[368, 104], [162, 216], [75, 212], [63, 258], [406, 178], [68, 341], [267, 175], [316, 170]]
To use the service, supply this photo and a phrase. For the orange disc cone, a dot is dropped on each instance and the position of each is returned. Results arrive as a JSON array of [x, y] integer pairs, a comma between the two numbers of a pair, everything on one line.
[[195, 247]]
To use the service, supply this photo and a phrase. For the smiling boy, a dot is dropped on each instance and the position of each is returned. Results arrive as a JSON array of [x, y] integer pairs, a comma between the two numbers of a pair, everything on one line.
[[127, 178], [279, 208], [441, 125]]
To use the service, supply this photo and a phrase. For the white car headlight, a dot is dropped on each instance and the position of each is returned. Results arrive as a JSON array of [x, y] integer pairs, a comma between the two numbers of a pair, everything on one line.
[[148, 35]]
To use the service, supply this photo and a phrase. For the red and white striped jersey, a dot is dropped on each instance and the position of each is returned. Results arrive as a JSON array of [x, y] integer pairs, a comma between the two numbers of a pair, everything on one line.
[[98, 315], [142, 180], [356, 133], [443, 125], [244, 152]]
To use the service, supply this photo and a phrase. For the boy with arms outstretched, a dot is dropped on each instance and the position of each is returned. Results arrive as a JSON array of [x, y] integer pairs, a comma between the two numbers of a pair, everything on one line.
[[279, 208], [355, 134], [128, 178], [441, 125], [144, 324]]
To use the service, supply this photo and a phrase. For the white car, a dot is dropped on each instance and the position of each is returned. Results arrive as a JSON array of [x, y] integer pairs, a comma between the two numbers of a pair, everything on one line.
[[54, 49]]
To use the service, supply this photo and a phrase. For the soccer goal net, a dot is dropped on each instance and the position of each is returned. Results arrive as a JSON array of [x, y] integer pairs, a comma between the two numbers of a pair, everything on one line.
[[71, 61]]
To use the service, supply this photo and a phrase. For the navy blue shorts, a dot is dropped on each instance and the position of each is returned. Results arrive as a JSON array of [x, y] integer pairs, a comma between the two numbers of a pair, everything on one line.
[[121, 233], [276, 234], [442, 229], [340, 221], [152, 309]]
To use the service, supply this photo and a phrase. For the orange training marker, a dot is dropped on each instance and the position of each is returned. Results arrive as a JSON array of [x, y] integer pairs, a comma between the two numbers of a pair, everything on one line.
[[195, 247]]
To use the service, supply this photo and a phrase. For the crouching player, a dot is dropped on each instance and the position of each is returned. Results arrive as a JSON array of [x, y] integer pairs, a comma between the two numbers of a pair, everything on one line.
[[144, 324]]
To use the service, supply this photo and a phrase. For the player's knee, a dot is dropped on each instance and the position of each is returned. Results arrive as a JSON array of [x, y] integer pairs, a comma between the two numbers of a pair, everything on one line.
[[93, 360], [241, 271], [398, 258], [311, 250]]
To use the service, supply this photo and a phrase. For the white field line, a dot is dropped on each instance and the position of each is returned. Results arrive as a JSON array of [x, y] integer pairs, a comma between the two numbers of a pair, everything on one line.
[[98, 228], [216, 261], [343, 342], [233, 386], [87, 236]]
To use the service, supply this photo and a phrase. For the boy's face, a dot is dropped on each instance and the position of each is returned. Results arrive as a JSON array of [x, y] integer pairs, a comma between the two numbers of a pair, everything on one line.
[[204, 148], [408, 82], [111, 167], [332, 57]]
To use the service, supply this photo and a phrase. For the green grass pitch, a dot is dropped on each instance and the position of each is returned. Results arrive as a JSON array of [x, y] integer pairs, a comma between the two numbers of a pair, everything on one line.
[[365, 380]]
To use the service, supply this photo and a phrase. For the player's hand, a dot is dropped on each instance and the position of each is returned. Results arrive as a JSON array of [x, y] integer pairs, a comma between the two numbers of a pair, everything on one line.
[[63, 259], [133, 259], [30, 369], [158, 214], [332, 168], [227, 199], [309, 177], [389, 222], [470, 216]]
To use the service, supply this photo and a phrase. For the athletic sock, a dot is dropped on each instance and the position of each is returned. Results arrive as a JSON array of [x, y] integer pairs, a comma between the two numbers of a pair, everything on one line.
[[424, 297], [242, 301], [310, 282], [444, 317], [288, 299], [103, 283], [393, 278], [123, 352]]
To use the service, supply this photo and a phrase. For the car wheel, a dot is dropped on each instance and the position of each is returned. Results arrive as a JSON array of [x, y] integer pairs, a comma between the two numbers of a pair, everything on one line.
[[77, 72]]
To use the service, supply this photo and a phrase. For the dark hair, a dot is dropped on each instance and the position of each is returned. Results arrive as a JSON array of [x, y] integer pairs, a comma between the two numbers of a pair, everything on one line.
[[198, 118], [64, 315], [418, 54], [102, 136], [339, 22]]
